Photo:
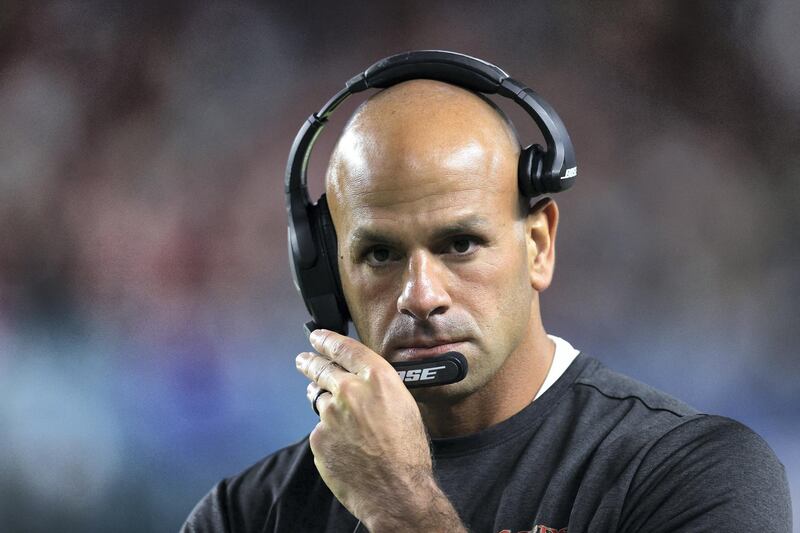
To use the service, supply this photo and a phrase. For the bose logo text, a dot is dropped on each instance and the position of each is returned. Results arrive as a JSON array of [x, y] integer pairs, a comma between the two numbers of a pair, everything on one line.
[[571, 173], [419, 374]]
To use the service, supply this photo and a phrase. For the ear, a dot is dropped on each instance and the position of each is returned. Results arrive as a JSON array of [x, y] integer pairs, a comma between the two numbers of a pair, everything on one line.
[[540, 229]]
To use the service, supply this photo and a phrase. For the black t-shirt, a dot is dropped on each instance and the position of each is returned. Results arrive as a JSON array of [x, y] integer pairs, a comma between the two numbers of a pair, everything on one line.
[[596, 452]]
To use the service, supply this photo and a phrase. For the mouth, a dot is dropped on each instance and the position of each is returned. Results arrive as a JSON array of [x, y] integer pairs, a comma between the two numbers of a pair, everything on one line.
[[423, 350]]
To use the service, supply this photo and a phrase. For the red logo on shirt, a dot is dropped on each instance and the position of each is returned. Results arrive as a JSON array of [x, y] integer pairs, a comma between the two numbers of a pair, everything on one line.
[[539, 528]]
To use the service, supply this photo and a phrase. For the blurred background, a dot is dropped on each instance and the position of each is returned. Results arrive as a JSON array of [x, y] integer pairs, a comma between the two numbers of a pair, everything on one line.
[[148, 323]]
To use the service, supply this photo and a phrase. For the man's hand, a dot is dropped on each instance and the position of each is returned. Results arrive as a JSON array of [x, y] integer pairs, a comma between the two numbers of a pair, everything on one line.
[[370, 445]]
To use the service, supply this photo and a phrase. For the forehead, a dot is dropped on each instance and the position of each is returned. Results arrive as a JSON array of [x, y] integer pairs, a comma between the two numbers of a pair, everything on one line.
[[419, 153], [417, 198]]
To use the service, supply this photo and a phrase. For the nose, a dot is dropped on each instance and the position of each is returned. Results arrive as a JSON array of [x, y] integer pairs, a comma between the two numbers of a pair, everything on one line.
[[424, 293]]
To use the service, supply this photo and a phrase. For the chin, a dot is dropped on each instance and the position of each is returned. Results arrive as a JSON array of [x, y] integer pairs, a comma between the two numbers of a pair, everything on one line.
[[446, 394]]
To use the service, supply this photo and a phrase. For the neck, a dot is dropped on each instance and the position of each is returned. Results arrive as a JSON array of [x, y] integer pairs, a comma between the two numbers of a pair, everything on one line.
[[510, 390]]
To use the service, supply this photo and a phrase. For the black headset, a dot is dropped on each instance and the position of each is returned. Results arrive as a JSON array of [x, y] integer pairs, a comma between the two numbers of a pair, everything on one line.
[[312, 237]]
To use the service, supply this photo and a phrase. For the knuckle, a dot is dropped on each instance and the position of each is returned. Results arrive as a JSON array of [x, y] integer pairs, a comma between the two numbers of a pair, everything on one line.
[[337, 348], [380, 376], [320, 368], [325, 371], [368, 374], [326, 338], [345, 388]]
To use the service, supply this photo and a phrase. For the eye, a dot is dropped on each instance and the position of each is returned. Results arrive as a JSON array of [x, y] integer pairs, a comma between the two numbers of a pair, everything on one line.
[[463, 245], [379, 255]]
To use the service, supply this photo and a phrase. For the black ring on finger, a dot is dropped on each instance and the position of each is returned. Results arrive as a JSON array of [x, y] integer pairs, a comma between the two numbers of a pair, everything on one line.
[[314, 403]]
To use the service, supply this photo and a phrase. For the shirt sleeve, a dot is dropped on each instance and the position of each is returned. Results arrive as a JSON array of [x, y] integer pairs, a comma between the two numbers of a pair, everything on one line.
[[209, 515], [250, 501], [708, 474]]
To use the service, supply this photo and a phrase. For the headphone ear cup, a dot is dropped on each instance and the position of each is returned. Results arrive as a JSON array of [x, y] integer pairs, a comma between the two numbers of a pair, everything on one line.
[[529, 173], [330, 252]]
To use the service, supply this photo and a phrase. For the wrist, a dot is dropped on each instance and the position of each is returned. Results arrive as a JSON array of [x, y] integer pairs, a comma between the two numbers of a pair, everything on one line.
[[426, 509]]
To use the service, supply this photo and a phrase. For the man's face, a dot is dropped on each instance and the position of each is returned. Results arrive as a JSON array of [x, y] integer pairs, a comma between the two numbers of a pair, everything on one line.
[[433, 253]]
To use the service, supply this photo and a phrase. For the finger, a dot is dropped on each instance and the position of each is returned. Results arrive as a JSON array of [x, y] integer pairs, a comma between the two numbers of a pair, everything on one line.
[[322, 401], [349, 353], [321, 370], [314, 394], [311, 391]]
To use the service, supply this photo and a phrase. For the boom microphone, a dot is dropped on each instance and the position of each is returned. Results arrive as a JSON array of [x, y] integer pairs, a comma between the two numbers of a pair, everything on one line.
[[450, 367]]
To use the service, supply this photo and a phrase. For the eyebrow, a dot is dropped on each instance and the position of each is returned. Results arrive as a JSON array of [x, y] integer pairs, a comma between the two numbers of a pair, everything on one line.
[[467, 224]]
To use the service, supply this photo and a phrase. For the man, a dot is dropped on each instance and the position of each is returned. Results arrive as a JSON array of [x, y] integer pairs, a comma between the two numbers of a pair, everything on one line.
[[438, 252]]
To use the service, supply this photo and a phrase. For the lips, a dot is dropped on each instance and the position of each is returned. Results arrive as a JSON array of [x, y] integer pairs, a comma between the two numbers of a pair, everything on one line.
[[414, 350]]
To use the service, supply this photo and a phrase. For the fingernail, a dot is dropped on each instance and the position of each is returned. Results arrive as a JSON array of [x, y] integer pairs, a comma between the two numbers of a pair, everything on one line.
[[300, 359]]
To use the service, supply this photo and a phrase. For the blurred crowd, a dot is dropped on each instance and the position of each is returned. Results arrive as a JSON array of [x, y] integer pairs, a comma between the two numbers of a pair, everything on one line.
[[148, 323]]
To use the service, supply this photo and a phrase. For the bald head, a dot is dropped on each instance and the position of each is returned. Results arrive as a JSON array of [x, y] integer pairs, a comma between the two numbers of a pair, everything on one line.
[[413, 134]]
